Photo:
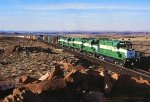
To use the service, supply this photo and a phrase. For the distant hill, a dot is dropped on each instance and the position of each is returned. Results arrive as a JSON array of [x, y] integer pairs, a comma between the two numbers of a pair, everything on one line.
[[74, 32]]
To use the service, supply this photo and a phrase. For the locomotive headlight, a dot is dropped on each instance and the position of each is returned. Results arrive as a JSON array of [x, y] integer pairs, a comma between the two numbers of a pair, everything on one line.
[[136, 60], [127, 60]]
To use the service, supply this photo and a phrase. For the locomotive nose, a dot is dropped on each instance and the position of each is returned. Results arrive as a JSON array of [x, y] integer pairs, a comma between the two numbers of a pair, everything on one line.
[[130, 54]]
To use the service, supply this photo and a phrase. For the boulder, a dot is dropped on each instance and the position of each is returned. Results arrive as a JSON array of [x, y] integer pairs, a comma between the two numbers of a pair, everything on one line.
[[115, 76], [127, 86], [26, 79], [56, 72], [140, 80], [47, 85], [25, 95], [9, 98], [84, 81], [108, 84], [44, 77], [80, 68], [104, 73], [69, 78], [67, 66]]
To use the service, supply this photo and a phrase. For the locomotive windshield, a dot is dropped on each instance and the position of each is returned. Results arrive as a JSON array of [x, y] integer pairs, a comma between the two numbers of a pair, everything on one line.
[[94, 42], [125, 45]]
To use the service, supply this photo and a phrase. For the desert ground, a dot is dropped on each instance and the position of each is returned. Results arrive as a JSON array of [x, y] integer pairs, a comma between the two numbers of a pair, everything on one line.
[[32, 71]]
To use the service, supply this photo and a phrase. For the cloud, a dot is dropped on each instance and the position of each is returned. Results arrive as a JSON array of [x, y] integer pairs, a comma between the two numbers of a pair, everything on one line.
[[80, 6], [64, 6]]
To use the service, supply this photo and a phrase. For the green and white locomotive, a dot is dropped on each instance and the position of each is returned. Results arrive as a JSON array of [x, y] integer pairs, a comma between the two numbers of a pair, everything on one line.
[[119, 52], [114, 51]]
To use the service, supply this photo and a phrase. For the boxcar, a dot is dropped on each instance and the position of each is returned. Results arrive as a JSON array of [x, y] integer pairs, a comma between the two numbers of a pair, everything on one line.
[[40, 37], [34, 37], [45, 38], [50, 39]]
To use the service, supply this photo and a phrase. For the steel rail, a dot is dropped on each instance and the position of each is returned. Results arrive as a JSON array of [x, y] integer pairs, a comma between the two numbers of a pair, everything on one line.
[[144, 72], [109, 66]]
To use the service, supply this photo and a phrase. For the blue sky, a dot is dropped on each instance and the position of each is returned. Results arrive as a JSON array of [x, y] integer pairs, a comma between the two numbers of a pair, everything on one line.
[[86, 15]]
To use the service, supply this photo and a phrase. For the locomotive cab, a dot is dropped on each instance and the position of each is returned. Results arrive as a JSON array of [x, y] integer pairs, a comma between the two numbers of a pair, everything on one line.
[[124, 45], [130, 53]]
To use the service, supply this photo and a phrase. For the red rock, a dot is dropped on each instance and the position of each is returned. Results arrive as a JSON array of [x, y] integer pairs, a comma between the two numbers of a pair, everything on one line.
[[44, 77], [141, 81], [95, 81], [56, 72], [78, 79], [17, 93], [84, 80], [104, 73], [115, 76], [122, 86], [70, 67], [67, 66], [108, 84], [81, 68], [46, 85], [101, 69], [141, 85], [92, 72], [26, 79], [69, 77], [25, 95], [9, 98], [128, 86]]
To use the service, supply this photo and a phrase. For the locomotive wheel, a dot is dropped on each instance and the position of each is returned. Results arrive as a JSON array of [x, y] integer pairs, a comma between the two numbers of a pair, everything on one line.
[[120, 63], [102, 58], [94, 55], [80, 50], [115, 62]]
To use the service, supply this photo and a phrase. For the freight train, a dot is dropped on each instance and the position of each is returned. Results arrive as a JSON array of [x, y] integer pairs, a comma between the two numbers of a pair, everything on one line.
[[113, 51]]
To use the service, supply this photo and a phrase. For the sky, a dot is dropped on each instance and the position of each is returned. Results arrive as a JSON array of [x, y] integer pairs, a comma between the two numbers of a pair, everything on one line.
[[75, 15]]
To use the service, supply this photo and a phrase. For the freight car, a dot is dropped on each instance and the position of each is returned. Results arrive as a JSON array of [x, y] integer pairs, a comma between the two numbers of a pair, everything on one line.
[[40, 37], [114, 51]]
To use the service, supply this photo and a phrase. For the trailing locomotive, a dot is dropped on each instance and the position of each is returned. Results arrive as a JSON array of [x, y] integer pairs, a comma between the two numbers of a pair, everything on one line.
[[114, 51]]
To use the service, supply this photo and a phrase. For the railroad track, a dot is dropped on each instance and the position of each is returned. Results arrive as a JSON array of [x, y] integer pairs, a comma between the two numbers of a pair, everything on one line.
[[109, 66], [142, 71]]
